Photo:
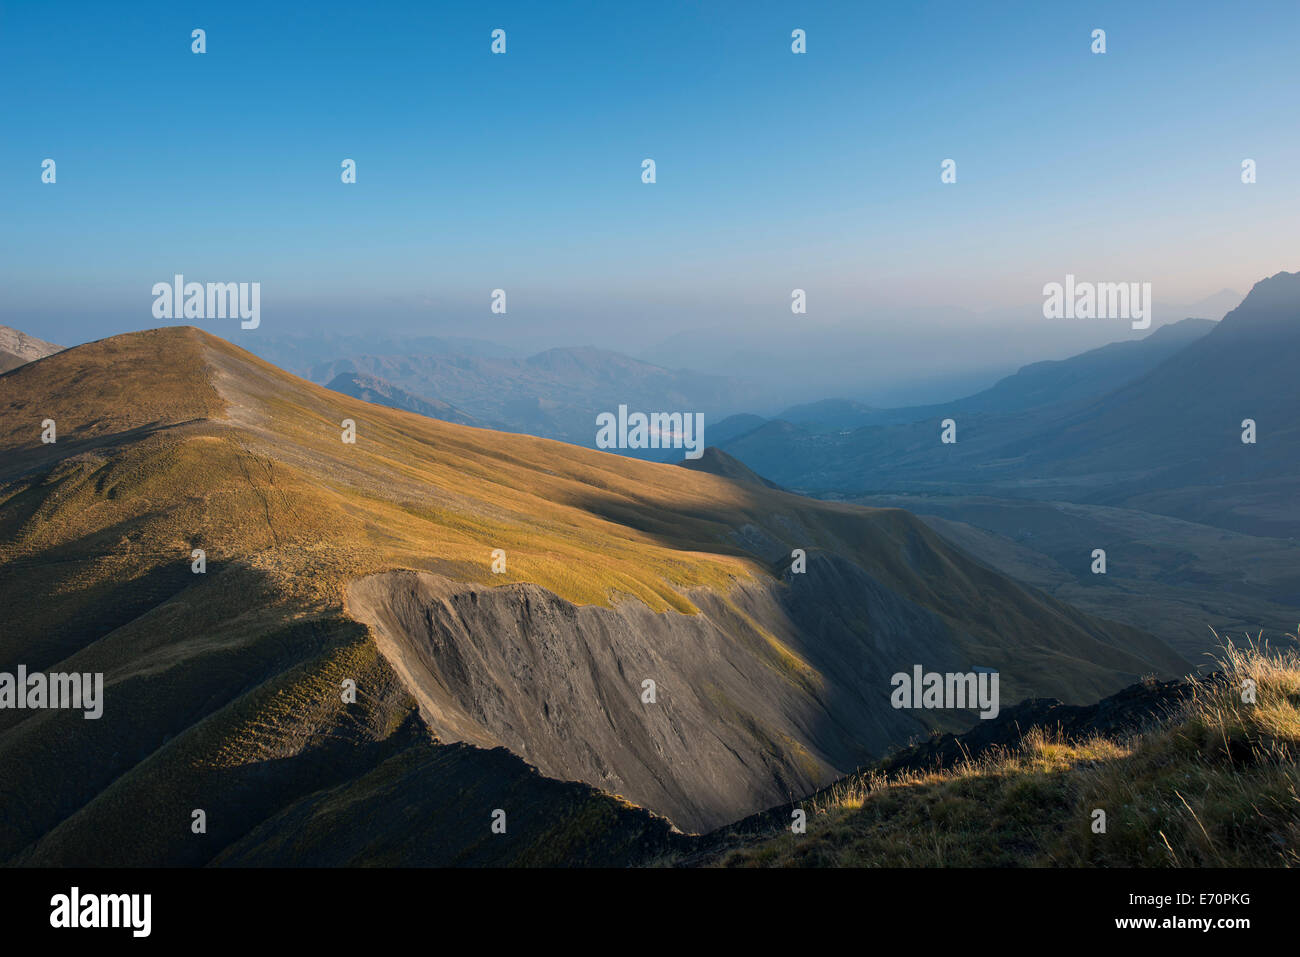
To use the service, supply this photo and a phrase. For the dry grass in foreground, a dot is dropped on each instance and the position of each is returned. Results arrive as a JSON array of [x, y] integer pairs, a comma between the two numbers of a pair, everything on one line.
[[1215, 784]]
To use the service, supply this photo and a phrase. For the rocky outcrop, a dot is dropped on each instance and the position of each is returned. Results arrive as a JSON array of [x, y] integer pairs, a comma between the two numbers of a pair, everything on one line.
[[764, 695]]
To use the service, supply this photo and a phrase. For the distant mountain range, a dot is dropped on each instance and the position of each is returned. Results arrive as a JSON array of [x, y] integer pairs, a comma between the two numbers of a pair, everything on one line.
[[1151, 424], [897, 354], [369, 388], [555, 394], [299, 354], [558, 393], [1038, 385]]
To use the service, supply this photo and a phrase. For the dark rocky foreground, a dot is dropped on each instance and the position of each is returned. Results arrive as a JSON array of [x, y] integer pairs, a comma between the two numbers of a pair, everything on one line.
[[1127, 712]]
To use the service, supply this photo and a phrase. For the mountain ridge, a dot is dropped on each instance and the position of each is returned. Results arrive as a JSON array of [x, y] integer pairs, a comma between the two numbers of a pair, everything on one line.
[[222, 688]]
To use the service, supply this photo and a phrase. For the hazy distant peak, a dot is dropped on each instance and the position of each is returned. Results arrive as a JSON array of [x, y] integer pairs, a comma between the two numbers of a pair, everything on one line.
[[1272, 305], [18, 348], [1182, 330], [372, 388], [1215, 306], [21, 344], [1281, 288], [825, 409], [584, 358]]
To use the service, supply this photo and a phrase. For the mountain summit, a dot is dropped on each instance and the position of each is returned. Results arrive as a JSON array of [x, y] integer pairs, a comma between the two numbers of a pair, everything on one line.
[[1271, 308]]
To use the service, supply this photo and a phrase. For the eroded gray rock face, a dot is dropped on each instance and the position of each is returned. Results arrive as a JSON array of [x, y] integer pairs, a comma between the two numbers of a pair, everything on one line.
[[561, 686], [770, 692]]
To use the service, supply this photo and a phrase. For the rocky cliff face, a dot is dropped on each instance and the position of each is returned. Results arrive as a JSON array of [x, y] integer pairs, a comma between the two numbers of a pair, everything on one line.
[[768, 693]]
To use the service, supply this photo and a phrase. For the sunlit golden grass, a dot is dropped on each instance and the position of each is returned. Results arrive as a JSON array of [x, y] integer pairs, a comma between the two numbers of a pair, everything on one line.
[[1214, 784], [250, 466], [253, 470]]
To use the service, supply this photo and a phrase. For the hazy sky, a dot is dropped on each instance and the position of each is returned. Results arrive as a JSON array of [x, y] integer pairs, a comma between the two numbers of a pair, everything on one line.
[[523, 171]]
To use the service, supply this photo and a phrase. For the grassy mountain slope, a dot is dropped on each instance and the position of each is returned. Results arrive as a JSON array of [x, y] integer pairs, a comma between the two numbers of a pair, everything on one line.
[[223, 689], [1198, 778]]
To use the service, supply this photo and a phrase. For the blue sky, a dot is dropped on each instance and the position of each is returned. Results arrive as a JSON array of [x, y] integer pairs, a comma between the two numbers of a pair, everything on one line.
[[522, 171]]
